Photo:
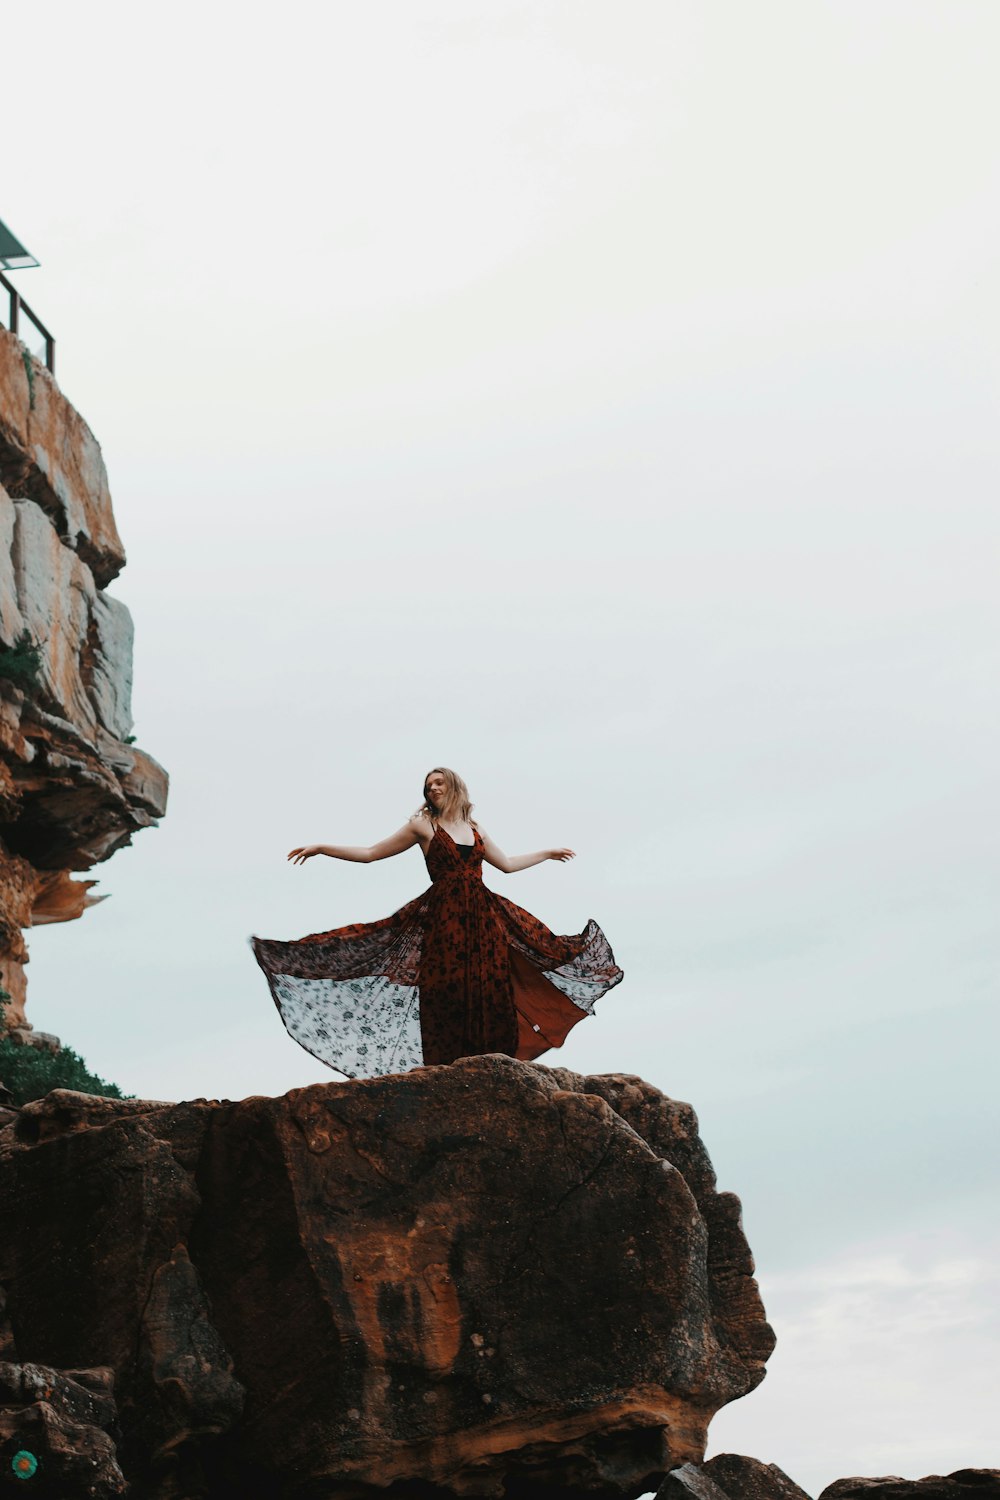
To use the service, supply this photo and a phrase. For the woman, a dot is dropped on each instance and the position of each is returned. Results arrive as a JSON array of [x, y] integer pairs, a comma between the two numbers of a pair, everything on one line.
[[457, 972]]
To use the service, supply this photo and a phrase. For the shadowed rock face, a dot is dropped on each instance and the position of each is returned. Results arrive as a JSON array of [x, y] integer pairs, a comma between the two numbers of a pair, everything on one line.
[[475, 1280], [730, 1476], [56, 1423], [748, 1479], [72, 789], [964, 1484], [671, 1129]]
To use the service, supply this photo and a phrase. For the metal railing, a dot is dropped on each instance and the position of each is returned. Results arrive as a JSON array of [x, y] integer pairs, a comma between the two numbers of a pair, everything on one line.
[[18, 306]]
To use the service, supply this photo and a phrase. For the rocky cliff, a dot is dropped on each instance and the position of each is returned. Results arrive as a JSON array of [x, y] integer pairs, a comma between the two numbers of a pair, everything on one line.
[[73, 788], [488, 1279]]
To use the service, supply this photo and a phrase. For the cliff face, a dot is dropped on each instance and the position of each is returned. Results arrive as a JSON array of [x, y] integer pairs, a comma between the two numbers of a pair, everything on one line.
[[72, 787], [488, 1279]]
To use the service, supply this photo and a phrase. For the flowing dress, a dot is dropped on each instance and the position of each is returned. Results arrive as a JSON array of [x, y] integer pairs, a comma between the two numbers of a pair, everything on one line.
[[456, 972]]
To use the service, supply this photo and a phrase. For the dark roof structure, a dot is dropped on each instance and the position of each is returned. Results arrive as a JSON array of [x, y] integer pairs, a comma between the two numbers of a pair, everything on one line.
[[13, 255]]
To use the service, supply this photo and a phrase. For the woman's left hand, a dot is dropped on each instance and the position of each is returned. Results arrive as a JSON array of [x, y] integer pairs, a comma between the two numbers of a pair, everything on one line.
[[562, 854]]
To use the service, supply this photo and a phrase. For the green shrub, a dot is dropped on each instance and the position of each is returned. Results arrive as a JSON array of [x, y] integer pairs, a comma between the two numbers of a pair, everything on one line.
[[22, 662], [32, 1072]]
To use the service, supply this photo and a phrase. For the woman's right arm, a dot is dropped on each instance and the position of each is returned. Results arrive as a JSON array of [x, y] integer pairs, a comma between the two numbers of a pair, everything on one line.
[[404, 838]]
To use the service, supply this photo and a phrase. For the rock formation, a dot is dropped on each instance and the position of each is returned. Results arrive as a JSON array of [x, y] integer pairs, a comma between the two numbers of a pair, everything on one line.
[[54, 1425], [729, 1476], [964, 1484], [73, 788], [487, 1279], [749, 1479]]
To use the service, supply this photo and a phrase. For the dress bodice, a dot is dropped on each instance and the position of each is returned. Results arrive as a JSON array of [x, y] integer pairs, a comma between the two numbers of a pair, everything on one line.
[[446, 858]]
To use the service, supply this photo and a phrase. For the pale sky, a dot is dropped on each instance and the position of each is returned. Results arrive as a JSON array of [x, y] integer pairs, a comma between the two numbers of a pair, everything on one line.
[[601, 400]]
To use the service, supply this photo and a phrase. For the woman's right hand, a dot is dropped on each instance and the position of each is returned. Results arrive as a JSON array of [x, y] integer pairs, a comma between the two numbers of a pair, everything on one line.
[[299, 856]]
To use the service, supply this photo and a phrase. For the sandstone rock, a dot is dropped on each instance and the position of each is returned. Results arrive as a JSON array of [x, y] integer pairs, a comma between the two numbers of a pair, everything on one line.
[[963, 1484], [86, 638], [49, 455], [144, 782], [671, 1128], [689, 1482], [731, 1476], [7, 1348], [18, 885], [109, 678], [70, 804], [27, 1036], [60, 898], [56, 1419], [84, 1395], [74, 809], [475, 1280], [10, 795], [65, 1111], [72, 789], [11, 623], [15, 409], [55, 595], [743, 1478], [13, 745], [187, 1365]]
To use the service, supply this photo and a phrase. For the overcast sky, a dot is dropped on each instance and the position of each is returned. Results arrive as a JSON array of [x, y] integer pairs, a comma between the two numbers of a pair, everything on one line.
[[599, 399]]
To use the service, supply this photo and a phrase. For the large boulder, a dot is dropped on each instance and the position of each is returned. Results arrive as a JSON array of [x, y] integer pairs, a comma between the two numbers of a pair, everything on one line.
[[690, 1482], [742, 1478], [482, 1279], [963, 1484], [729, 1476]]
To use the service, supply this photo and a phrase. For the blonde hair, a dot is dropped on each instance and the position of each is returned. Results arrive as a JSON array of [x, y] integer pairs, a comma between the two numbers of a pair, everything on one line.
[[456, 807]]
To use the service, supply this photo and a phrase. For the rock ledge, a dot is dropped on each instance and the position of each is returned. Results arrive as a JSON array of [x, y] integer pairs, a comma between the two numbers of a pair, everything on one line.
[[488, 1279]]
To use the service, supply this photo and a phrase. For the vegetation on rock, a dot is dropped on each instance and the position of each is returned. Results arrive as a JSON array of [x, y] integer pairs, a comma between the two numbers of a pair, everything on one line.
[[32, 1072], [22, 662]]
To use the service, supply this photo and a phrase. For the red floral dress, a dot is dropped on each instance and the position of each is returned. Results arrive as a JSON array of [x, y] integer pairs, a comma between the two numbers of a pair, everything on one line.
[[456, 972]]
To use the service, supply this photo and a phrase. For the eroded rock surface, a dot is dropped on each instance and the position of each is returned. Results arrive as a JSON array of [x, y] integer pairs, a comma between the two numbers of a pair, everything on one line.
[[49, 455], [486, 1279], [742, 1478], [963, 1484], [730, 1476], [72, 787], [690, 1482], [55, 1432]]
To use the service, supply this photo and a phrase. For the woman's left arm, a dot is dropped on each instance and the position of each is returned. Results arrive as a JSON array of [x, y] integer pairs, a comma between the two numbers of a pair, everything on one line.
[[511, 863]]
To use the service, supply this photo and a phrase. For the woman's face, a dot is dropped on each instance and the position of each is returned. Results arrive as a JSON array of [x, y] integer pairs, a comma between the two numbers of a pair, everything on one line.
[[435, 790]]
